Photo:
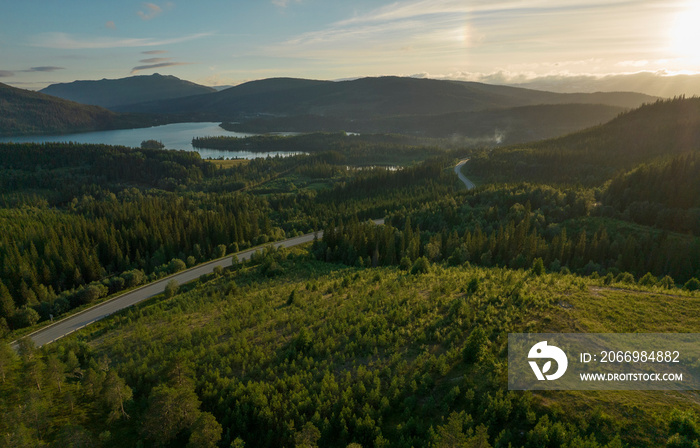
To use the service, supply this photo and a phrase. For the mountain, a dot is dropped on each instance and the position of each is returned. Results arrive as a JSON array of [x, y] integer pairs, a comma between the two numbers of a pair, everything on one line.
[[111, 93], [592, 156], [25, 112], [657, 84], [368, 97]]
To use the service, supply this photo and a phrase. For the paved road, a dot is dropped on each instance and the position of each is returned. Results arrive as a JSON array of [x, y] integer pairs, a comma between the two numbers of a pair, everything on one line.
[[458, 170], [77, 321]]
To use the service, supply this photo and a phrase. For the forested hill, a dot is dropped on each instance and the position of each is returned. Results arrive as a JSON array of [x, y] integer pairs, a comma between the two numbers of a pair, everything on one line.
[[592, 156], [369, 97], [24, 112], [110, 93]]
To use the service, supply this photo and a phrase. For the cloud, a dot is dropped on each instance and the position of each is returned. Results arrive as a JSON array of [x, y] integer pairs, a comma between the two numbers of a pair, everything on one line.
[[154, 52], [65, 41], [44, 69], [152, 11], [155, 60], [283, 3], [110, 24], [161, 65]]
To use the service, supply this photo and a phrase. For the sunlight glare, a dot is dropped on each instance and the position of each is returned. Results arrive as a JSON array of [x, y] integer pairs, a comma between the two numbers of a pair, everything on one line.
[[685, 31]]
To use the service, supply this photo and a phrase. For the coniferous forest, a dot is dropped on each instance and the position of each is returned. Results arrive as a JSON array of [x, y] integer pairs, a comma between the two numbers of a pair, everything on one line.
[[390, 335]]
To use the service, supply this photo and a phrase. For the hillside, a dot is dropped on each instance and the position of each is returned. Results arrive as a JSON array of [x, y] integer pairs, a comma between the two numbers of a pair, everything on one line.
[[111, 93], [24, 112], [594, 155], [369, 97], [493, 126], [337, 355]]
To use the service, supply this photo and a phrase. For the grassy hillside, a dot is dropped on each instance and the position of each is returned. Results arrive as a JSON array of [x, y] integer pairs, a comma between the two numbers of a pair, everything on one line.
[[287, 350], [111, 93], [24, 112], [370, 97], [594, 155]]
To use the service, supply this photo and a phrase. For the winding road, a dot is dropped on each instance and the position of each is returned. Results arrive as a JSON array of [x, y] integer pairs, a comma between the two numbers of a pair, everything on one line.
[[84, 318], [458, 170]]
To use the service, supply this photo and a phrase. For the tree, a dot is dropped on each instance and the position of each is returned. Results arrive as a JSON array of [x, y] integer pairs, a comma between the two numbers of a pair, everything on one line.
[[170, 411], [692, 285], [171, 288], [116, 393], [152, 144], [25, 317], [93, 292], [56, 370], [538, 266], [206, 432], [7, 305], [307, 437], [176, 265], [421, 266], [7, 356]]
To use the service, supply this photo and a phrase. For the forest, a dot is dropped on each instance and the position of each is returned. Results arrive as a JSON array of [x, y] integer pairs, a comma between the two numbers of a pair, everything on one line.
[[372, 335]]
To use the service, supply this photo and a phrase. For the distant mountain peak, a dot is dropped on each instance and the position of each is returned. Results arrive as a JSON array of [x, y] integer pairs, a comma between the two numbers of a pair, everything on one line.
[[111, 93]]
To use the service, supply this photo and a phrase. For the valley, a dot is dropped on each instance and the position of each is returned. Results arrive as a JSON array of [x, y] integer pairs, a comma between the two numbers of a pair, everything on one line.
[[255, 302]]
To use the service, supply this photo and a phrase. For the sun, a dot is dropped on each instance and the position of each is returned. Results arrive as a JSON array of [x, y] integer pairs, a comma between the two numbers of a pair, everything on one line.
[[685, 32]]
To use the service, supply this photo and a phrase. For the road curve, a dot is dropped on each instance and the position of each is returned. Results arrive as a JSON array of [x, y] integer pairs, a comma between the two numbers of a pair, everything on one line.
[[77, 321], [458, 170]]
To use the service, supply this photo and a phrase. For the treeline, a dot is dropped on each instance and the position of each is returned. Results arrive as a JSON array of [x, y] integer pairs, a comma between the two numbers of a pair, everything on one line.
[[664, 194], [357, 149], [513, 227], [595, 155], [48, 255], [66, 169]]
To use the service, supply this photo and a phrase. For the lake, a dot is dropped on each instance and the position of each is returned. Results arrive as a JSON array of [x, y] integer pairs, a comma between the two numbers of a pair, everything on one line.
[[173, 136]]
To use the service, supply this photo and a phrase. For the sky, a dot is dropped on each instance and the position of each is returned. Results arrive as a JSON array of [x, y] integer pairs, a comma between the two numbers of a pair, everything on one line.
[[218, 42]]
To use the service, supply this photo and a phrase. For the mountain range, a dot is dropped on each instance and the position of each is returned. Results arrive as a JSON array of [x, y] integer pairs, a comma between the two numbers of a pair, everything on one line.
[[367, 97]]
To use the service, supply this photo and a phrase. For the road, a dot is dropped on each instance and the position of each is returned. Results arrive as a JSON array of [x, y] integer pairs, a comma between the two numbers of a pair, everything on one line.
[[77, 321], [458, 170]]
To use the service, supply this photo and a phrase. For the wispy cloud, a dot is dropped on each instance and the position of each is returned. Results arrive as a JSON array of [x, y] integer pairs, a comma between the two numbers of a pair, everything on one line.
[[284, 3], [161, 65], [155, 60], [65, 41], [43, 68], [154, 52], [110, 24], [486, 34], [49, 68], [151, 10]]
